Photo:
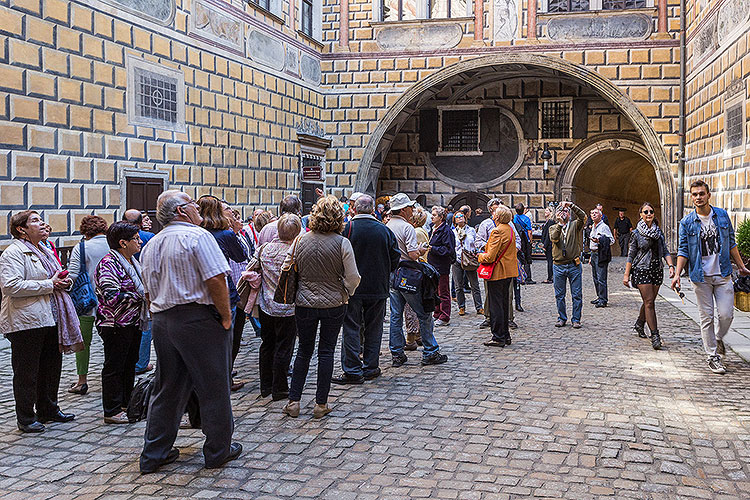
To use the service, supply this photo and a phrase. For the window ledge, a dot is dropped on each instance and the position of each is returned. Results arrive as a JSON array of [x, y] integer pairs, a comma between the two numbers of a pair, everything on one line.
[[411, 22], [266, 12], [459, 153], [590, 13], [311, 39]]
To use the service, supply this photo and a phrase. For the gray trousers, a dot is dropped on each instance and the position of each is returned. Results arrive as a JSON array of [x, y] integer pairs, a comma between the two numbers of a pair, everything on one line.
[[194, 353], [719, 291]]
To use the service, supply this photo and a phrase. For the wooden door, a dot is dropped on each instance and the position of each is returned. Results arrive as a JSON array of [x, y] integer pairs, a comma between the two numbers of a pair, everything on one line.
[[142, 193]]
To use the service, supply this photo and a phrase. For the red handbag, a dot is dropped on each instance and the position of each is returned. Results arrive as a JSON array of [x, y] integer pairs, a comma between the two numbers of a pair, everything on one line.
[[485, 270]]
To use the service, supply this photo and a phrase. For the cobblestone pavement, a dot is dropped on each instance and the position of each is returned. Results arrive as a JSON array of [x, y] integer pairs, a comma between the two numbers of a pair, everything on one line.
[[561, 413]]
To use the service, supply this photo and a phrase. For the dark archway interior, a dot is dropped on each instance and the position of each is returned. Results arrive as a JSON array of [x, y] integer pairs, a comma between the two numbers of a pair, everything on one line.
[[616, 179]]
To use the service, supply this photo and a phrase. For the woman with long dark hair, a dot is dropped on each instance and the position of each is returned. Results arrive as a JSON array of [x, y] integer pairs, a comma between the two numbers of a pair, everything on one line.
[[645, 271]]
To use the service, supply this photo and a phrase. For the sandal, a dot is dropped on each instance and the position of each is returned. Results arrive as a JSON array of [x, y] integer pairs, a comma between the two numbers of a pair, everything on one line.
[[79, 389]]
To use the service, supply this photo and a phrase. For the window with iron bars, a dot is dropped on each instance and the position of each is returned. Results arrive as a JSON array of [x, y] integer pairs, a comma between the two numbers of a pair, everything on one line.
[[567, 5], [555, 122], [734, 126], [460, 130], [623, 4], [157, 98]]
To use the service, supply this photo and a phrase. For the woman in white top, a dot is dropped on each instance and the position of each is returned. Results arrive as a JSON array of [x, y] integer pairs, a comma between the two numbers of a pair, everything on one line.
[[465, 240], [94, 229]]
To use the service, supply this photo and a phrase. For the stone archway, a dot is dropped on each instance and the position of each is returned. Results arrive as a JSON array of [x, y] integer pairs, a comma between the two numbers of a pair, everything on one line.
[[481, 68]]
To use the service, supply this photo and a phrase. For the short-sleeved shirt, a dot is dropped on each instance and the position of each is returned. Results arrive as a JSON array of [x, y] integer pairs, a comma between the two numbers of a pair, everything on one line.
[[176, 264], [523, 221], [406, 236], [710, 245], [623, 226]]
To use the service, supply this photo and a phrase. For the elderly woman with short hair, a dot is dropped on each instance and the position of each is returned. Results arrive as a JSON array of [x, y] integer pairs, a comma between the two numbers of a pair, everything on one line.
[[93, 228], [121, 316], [39, 319], [441, 256], [500, 251], [328, 276]]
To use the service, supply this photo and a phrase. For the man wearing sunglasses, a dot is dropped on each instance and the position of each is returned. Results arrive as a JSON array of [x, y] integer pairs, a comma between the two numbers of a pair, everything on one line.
[[708, 248]]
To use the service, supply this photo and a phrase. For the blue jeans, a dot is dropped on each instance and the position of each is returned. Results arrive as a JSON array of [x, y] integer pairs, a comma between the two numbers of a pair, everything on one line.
[[397, 341], [562, 274], [367, 313], [307, 318], [144, 354], [599, 274]]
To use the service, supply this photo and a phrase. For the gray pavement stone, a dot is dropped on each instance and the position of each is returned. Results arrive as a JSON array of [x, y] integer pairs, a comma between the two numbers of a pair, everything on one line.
[[561, 413]]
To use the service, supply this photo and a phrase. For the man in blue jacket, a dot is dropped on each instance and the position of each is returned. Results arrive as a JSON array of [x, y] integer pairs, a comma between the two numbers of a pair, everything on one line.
[[377, 256], [707, 247]]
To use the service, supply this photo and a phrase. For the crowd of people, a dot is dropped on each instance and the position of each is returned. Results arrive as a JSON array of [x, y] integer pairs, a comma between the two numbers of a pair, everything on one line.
[[191, 288]]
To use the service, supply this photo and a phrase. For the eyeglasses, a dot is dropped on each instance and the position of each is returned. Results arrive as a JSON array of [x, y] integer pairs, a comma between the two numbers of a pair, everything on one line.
[[191, 202], [648, 212]]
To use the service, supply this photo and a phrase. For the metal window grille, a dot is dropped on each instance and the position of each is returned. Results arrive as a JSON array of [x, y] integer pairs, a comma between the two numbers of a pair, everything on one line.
[[567, 5], [734, 125], [307, 17], [460, 130], [623, 4], [555, 119], [266, 4], [157, 98]]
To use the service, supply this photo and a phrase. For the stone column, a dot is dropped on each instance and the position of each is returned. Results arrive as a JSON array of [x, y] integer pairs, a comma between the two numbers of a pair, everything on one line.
[[478, 20], [531, 23]]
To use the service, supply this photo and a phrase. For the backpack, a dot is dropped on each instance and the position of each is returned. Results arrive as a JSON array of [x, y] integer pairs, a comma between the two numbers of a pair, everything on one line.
[[139, 399]]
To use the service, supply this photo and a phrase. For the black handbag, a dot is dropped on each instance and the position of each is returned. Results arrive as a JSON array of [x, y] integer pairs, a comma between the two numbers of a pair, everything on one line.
[[82, 293], [286, 290]]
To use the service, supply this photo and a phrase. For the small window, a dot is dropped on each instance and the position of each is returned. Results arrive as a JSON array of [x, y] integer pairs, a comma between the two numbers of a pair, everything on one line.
[[459, 130], [155, 95], [307, 17], [400, 10], [555, 120], [264, 4], [734, 126], [623, 4], [567, 5]]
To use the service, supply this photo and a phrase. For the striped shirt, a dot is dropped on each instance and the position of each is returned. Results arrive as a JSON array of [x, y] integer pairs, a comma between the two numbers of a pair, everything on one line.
[[177, 262]]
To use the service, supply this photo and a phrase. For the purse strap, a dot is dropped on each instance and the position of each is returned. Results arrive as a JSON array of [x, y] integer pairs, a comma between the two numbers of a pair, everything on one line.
[[504, 250], [82, 260]]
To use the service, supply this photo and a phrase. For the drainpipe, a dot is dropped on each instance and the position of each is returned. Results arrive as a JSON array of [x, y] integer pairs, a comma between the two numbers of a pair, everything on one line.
[[682, 153]]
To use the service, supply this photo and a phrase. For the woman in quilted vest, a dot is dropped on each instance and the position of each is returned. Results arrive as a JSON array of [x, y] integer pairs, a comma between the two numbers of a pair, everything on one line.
[[328, 276]]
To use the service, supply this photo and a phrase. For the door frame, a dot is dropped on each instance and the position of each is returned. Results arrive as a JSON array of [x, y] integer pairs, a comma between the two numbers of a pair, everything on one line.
[[125, 173]]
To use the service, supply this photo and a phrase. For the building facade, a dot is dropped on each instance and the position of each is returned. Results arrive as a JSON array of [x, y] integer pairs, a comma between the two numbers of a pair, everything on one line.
[[105, 103]]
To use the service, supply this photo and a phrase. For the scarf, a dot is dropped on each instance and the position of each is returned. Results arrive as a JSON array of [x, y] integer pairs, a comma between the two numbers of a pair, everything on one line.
[[461, 233], [134, 272], [68, 326], [653, 232]]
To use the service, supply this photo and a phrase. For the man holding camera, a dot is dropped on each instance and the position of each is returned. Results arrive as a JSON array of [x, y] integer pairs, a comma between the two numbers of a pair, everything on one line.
[[567, 241]]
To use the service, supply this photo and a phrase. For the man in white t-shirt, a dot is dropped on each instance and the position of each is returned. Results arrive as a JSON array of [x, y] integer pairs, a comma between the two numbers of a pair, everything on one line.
[[707, 246], [406, 237]]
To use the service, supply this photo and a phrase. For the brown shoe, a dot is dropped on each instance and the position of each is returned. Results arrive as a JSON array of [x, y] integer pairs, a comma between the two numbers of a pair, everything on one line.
[[236, 386], [462, 311], [292, 409], [120, 418], [412, 346], [480, 311], [321, 411]]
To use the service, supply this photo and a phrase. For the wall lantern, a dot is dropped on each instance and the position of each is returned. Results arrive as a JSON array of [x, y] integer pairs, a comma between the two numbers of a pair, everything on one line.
[[546, 156]]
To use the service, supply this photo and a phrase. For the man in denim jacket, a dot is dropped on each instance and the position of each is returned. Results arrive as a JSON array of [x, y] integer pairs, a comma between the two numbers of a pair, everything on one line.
[[707, 246]]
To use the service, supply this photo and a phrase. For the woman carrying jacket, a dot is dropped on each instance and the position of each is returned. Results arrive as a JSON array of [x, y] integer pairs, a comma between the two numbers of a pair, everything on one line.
[[501, 249], [465, 236], [39, 319], [328, 276], [93, 228], [645, 270], [441, 256], [121, 315]]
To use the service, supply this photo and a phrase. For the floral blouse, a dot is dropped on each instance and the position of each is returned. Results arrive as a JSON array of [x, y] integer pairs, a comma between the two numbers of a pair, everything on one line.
[[119, 302]]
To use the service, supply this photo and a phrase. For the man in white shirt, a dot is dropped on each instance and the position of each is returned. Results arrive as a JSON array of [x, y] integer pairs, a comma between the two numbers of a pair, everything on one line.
[[184, 276], [600, 240]]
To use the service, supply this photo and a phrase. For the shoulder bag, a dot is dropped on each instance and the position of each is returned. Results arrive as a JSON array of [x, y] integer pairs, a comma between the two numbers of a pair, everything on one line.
[[469, 261], [286, 290], [485, 270], [82, 293]]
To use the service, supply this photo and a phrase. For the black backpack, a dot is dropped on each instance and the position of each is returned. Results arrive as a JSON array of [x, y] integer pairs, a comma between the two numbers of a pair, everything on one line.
[[139, 398]]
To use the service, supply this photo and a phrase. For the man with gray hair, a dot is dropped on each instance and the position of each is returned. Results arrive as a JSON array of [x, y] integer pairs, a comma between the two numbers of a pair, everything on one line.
[[184, 276], [377, 256]]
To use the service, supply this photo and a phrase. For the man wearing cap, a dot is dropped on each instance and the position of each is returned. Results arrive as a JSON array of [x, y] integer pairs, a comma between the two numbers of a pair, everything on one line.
[[406, 238]]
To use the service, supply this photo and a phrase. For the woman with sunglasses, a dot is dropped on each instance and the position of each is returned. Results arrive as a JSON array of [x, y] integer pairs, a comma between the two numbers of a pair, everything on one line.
[[644, 269]]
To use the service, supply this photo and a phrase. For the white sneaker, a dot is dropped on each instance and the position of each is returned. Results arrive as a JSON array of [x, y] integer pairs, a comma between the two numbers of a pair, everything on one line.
[[440, 322], [715, 365]]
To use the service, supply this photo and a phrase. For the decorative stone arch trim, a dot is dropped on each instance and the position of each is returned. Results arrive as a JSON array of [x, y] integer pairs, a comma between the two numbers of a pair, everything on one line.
[[613, 142], [411, 100]]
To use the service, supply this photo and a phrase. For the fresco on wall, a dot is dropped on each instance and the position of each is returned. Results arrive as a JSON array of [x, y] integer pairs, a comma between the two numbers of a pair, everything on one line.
[[419, 37], [622, 26], [505, 20], [218, 27], [731, 15], [160, 11]]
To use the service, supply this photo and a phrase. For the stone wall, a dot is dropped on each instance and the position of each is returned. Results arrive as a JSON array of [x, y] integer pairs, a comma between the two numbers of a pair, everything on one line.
[[718, 67]]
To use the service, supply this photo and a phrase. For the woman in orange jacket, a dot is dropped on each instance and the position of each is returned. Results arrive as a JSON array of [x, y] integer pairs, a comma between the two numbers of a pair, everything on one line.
[[501, 250]]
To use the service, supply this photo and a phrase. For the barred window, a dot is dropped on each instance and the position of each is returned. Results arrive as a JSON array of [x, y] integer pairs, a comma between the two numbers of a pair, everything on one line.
[[567, 5], [623, 4], [555, 119], [460, 130], [734, 126], [157, 98], [155, 95]]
